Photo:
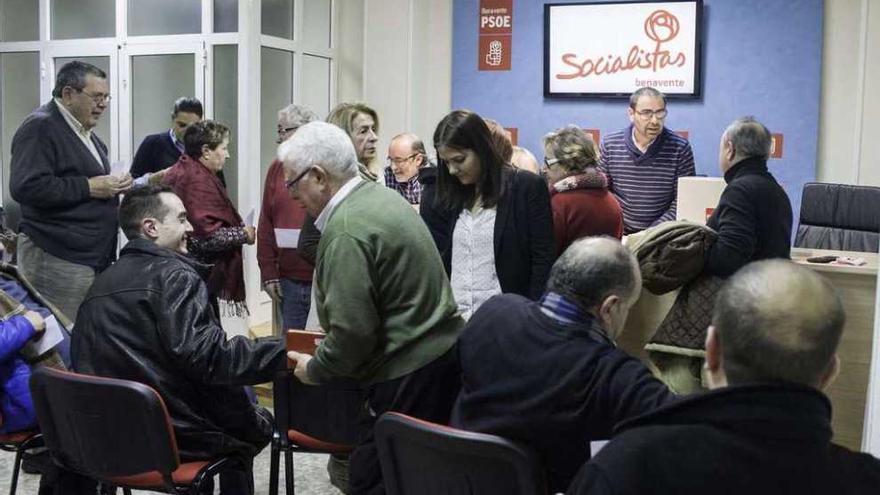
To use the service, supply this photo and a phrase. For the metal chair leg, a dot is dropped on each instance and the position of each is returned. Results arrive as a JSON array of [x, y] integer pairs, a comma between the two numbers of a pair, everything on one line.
[[273, 468], [288, 472], [16, 466]]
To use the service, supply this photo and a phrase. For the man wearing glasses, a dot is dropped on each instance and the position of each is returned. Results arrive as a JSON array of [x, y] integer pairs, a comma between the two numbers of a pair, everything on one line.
[[60, 174], [406, 155], [644, 161]]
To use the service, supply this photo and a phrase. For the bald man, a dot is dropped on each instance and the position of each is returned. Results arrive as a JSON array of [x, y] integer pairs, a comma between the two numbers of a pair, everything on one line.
[[406, 156], [548, 373], [765, 426]]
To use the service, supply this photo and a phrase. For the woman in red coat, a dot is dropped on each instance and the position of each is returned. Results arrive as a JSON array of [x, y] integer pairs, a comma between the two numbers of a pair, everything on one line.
[[579, 197], [218, 231]]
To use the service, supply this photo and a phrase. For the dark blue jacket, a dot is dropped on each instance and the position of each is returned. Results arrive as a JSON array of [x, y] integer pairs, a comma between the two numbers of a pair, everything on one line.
[[156, 152], [50, 171], [15, 397]]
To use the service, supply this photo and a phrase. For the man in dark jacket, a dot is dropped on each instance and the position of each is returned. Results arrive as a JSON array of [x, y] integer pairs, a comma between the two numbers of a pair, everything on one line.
[[765, 427], [753, 217], [148, 319], [60, 174], [548, 373]]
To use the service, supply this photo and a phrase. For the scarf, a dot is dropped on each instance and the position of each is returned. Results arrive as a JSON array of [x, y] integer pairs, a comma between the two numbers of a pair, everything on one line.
[[208, 209], [591, 178]]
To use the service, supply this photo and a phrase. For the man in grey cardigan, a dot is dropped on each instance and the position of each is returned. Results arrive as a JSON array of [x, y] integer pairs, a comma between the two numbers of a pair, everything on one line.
[[60, 174]]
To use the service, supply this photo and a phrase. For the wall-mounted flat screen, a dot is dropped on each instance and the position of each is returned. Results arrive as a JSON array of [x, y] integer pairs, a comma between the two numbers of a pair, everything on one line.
[[611, 49]]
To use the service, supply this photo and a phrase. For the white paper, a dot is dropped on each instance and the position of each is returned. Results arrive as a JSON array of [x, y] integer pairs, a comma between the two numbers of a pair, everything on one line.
[[117, 169], [52, 336], [287, 238], [249, 218]]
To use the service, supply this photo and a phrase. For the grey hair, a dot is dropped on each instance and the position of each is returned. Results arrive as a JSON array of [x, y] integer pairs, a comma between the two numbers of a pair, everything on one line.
[[593, 268], [572, 147], [74, 74], [768, 334], [749, 138], [296, 116], [320, 144], [646, 91]]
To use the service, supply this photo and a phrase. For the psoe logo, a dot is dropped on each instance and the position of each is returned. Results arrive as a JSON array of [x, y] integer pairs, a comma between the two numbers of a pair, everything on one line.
[[496, 54], [660, 27]]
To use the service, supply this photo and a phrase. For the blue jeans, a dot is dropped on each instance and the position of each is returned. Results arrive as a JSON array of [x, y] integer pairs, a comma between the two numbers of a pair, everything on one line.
[[295, 300]]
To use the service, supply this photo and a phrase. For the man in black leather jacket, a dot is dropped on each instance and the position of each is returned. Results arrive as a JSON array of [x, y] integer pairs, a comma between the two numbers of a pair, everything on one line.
[[148, 318]]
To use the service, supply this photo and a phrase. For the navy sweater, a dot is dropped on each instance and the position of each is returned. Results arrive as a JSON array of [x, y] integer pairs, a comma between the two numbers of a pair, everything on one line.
[[646, 184], [50, 171]]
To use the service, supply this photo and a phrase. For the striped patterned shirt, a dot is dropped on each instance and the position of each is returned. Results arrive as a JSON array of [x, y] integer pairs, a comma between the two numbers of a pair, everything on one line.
[[645, 184]]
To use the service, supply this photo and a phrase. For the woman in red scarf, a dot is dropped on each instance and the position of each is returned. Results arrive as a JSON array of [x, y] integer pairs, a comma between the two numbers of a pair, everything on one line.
[[218, 232], [579, 197]]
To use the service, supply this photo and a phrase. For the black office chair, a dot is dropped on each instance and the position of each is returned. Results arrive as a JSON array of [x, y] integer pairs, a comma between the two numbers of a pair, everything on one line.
[[20, 443], [422, 457], [312, 419], [117, 432], [839, 217]]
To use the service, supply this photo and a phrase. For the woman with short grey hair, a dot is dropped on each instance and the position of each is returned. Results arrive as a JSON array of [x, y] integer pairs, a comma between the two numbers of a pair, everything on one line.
[[579, 197]]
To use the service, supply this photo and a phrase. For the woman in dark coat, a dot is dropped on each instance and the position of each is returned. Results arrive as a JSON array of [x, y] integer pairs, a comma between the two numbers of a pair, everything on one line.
[[491, 222]]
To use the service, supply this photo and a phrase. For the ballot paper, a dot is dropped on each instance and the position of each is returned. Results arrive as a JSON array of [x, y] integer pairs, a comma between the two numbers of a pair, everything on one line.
[[249, 218], [117, 168], [52, 336], [287, 238]]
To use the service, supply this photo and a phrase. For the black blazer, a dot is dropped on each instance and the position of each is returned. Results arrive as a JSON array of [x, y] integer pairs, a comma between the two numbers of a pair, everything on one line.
[[49, 174], [156, 152], [523, 240]]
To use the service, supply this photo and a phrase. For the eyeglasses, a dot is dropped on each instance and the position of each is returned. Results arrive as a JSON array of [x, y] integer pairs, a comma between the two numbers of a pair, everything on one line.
[[285, 130], [647, 114], [98, 99], [398, 161], [549, 163], [292, 182]]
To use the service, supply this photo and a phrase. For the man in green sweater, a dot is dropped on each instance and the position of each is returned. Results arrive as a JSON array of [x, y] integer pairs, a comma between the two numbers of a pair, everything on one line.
[[381, 291]]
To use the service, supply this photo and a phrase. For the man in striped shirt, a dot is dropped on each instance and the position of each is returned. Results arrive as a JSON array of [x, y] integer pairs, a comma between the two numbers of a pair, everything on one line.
[[644, 161]]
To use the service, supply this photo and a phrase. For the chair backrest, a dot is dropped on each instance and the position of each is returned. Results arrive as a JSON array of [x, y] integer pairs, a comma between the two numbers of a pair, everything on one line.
[[422, 457], [840, 217], [329, 412], [102, 427]]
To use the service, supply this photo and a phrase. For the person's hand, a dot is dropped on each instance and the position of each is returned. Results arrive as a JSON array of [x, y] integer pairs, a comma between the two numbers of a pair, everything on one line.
[[37, 322], [273, 288], [251, 234], [156, 177], [302, 364], [108, 186]]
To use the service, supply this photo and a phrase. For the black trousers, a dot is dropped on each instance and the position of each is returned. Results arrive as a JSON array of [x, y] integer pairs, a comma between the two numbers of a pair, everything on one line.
[[427, 393]]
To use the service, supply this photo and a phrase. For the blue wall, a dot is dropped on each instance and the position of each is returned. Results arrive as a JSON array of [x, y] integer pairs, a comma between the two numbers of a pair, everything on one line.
[[760, 57]]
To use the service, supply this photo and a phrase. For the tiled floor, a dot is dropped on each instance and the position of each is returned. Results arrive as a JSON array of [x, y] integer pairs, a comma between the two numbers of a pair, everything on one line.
[[309, 471]]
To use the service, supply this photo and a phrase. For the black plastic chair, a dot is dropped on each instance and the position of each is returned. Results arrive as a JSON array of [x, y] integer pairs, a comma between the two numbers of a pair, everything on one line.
[[426, 458], [839, 217], [20, 443], [312, 419], [116, 432]]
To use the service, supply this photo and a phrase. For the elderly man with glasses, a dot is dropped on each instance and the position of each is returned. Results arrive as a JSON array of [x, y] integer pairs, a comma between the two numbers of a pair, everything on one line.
[[286, 276], [406, 156], [644, 161], [60, 174]]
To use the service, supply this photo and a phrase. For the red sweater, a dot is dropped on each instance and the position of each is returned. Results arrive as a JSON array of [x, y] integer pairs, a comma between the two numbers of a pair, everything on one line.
[[279, 211], [584, 212]]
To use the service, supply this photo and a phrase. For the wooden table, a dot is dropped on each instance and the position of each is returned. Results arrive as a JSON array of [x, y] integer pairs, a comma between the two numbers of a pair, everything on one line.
[[857, 286]]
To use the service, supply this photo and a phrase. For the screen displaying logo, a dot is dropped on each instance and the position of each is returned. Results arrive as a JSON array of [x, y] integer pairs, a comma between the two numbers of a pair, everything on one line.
[[616, 48]]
